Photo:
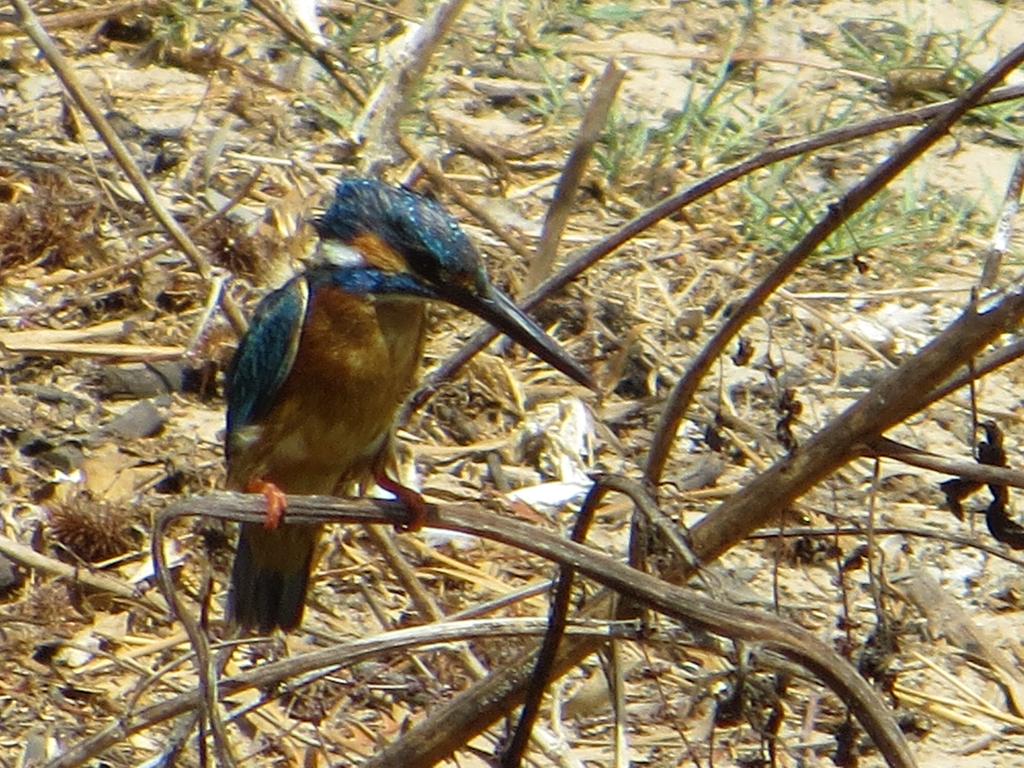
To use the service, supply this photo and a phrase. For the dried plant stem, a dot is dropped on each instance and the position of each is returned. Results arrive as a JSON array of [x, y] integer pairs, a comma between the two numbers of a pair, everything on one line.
[[558, 620], [1004, 227], [376, 128], [557, 217], [29, 23], [209, 708], [68, 349]]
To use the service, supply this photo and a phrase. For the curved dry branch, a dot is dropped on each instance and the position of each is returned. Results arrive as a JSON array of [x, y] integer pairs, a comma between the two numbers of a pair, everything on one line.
[[791, 641], [903, 392]]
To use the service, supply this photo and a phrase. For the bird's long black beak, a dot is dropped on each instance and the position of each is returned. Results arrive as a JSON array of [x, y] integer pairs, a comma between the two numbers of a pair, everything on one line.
[[500, 311]]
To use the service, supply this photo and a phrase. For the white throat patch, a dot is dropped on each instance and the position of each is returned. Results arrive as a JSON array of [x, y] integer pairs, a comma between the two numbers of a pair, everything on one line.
[[339, 254]]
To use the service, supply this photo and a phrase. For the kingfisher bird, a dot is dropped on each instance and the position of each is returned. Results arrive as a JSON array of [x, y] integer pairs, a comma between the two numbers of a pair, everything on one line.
[[316, 382]]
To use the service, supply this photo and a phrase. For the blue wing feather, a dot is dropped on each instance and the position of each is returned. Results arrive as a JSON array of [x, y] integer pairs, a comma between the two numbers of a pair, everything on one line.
[[265, 356]]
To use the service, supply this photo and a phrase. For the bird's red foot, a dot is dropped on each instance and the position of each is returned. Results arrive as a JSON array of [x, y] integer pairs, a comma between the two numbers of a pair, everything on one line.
[[413, 502], [277, 502]]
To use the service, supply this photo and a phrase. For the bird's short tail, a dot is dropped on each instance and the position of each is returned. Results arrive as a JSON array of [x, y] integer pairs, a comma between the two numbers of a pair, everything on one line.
[[270, 577]]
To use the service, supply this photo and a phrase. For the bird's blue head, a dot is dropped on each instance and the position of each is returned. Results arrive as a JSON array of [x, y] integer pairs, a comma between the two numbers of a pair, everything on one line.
[[396, 230], [390, 240]]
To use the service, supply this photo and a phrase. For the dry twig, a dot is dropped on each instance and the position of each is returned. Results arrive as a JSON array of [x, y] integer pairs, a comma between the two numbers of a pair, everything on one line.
[[32, 559], [29, 22], [970, 470], [557, 217], [376, 128], [321, 53]]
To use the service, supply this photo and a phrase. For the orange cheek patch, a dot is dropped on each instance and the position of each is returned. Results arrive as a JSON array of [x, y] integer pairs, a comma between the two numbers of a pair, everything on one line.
[[379, 254]]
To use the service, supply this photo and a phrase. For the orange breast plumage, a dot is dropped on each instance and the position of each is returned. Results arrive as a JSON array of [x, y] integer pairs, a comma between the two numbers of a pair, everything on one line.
[[331, 424]]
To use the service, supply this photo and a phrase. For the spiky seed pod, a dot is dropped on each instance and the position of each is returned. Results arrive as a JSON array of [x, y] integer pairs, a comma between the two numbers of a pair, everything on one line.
[[92, 530]]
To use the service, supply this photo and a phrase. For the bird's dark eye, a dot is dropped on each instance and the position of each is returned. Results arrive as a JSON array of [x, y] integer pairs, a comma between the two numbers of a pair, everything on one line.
[[473, 283]]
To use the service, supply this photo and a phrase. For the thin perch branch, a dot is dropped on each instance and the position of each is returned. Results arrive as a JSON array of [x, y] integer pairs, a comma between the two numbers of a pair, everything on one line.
[[696, 611]]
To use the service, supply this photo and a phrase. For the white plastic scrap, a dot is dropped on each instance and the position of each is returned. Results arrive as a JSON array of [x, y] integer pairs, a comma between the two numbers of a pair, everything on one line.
[[567, 430]]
